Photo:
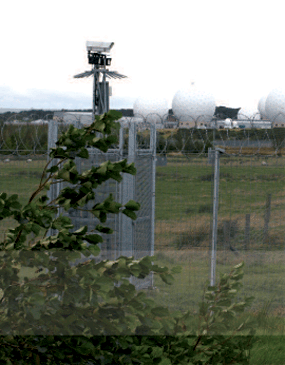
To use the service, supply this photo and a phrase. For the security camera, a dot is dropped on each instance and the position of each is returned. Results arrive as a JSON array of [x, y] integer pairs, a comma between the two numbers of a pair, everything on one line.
[[99, 47]]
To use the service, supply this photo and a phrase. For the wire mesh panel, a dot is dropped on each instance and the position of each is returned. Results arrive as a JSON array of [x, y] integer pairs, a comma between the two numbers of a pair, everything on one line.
[[143, 187], [109, 246], [251, 224], [183, 218], [144, 193], [129, 238]]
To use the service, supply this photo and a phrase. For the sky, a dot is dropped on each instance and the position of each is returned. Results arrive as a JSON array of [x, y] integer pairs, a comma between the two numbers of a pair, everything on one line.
[[232, 49]]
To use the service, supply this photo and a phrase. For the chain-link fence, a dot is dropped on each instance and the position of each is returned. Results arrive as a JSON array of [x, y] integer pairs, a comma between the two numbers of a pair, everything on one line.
[[130, 238], [245, 179]]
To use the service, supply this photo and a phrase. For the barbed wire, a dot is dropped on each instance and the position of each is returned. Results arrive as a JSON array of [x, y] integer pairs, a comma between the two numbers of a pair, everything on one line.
[[25, 136]]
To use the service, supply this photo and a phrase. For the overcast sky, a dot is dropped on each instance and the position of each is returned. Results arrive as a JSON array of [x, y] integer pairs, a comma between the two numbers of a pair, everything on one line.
[[234, 49]]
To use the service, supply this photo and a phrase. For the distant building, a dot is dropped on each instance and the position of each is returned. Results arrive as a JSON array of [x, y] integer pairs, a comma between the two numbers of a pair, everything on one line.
[[192, 124], [278, 124], [189, 124], [222, 112]]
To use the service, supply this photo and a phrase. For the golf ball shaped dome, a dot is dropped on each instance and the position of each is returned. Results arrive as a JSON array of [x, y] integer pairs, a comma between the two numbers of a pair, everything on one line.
[[261, 107], [275, 105], [151, 109], [247, 113], [228, 121], [193, 104]]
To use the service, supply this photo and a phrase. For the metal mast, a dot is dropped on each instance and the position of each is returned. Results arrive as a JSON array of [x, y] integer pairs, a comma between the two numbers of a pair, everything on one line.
[[98, 58]]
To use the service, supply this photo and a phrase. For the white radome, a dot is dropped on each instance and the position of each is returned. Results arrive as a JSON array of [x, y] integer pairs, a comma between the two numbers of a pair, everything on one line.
[[261, 107], [193, 104], [248, 113], [275, 105], [154, 110]]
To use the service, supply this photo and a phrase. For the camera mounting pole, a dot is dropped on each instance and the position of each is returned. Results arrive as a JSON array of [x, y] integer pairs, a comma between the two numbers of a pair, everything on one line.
[[98, 58]]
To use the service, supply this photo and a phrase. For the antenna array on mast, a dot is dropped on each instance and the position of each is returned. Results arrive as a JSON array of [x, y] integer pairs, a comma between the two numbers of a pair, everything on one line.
[[100, 61]]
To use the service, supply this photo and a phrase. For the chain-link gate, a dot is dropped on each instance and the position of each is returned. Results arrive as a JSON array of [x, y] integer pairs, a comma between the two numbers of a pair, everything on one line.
[[130, 238]]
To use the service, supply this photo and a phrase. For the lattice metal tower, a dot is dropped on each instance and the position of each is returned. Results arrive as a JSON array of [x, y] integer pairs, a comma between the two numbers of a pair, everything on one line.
[[98, 58]]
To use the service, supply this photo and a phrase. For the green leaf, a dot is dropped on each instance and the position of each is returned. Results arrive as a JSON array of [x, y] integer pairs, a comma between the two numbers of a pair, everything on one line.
[[3, 196], [36, 228], [87, 185], [114, 115], [111, 139], [167, 278], [83, 153], [47, 185], [224, 302], [15, 205], [130, 214], [43, 199], [53, 169], [66, 204], [13, 197], [239, 265], [81, 202], [100, 126], [132, 205], [93, 238], [94, 249], [10, 246], [232, 291], [81, 230], [63, 174], [130, 169], [237, 276], [103, 229]]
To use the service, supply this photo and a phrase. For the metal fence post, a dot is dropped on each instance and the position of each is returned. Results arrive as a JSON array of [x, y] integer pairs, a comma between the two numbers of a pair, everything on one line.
[[267, 217], [247, 231], [53, 192], [153, 148], [215, 216], [127, 236]]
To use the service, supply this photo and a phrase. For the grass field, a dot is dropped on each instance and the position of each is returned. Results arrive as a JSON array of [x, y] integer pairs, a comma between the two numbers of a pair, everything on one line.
[[22, 178], [183, 215]]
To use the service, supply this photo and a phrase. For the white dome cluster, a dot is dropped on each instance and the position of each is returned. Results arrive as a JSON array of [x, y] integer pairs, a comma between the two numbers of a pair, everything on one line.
[[193, 104], [248, 113], [275, 106], [261, 107], [189, 104], [151, 109]]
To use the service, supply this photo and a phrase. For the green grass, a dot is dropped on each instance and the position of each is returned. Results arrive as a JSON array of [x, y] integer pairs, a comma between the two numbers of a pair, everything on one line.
[[190, 183], [22, 178], [269, 350], [263, 280], [183, 216]]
